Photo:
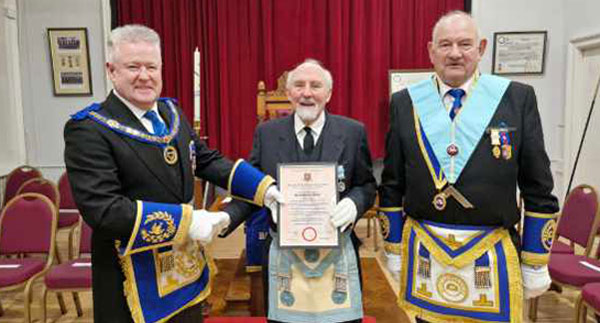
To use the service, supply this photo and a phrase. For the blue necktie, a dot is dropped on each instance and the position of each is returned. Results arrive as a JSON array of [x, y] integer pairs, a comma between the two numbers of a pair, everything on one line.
[[159, 127], [457, 94]]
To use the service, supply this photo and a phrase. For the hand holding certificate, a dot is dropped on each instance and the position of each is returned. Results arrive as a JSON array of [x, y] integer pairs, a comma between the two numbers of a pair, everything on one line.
[[309, 190]]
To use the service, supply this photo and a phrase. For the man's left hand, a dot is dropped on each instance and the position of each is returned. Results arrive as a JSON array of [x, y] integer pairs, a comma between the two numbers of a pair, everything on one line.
[[536, 280], [344, 213]]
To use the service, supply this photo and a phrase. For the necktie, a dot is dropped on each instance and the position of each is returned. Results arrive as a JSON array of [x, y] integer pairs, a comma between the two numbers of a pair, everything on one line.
[[309, 141], [159, 127], [457, 94]]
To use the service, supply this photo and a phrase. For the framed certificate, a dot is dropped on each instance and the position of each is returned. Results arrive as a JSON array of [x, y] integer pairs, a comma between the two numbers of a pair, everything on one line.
[[519, 52], [310, 194], [399, 79], [70, 61]]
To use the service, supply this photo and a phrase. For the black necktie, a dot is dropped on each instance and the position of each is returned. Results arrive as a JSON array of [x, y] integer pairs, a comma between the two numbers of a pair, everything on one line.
[[309, 141]]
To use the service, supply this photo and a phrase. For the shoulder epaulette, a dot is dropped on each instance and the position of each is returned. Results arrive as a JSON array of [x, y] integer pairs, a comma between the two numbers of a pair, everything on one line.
[[84, 113]]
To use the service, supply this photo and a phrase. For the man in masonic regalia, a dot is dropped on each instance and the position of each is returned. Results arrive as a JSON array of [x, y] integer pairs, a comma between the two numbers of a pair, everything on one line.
[[131, 162], [308, 284], [458, 146]]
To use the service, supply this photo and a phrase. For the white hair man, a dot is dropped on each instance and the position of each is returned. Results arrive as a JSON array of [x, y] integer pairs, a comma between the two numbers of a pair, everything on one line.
[[310, 284]]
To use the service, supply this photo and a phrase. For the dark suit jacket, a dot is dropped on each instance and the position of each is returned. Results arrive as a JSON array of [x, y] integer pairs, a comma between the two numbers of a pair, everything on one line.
[[490, 184], [344, 141], [109, 171]]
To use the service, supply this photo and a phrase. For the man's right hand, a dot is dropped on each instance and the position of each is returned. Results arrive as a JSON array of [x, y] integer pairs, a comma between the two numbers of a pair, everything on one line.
[[206, 224], [272, 200]]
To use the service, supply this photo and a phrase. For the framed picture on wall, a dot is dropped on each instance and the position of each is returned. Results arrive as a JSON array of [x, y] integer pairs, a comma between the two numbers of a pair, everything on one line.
[[519, 52], [399, 79], [70, 61]]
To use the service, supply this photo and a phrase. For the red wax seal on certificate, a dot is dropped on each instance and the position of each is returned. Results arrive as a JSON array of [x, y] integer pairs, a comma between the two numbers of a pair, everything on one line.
[[309, 234]]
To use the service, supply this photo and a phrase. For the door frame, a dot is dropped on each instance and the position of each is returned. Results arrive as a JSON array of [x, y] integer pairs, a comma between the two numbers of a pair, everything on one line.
[[575, 58]]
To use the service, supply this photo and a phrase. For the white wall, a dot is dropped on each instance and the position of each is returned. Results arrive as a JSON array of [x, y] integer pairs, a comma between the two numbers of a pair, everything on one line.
[[581, 18], [12, 139], [582, 35], [535, 15], [44, 113]]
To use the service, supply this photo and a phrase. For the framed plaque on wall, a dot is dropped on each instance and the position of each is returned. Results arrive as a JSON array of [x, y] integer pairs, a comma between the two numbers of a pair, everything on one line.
[[519, 52], [69, 57]]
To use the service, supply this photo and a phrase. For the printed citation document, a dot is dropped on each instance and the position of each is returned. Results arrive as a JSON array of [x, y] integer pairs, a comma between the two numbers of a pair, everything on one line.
[[309, 191]]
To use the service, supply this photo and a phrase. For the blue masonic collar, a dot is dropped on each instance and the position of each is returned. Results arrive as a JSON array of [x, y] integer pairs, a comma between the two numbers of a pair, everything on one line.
[[466, 131]]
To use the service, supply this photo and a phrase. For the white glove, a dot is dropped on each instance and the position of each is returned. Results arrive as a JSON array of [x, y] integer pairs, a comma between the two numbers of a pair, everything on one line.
[[393, 263], [536, 280], [206, 224], [344, 213], [272, 200]]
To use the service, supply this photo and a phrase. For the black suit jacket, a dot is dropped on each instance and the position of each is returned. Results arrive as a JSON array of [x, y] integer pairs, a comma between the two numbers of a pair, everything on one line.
[[490, 184], [109, 171], [343, 141]]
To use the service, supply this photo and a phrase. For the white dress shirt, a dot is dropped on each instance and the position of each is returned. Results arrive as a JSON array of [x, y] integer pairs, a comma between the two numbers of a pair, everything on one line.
[[139, 113], [447, 98], [315, 128]]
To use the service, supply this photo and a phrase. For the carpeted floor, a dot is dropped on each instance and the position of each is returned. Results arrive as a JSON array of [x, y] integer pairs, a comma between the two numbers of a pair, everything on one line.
[[378, 298]]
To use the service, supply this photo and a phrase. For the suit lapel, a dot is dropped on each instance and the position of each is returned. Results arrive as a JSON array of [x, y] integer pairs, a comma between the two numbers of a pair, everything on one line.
[[186, 168], [287, 142], [150, 155], [333, 143], [183, 142]]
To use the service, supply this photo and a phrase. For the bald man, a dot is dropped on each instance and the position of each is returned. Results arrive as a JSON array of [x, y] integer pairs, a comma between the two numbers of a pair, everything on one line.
[[459, 145]]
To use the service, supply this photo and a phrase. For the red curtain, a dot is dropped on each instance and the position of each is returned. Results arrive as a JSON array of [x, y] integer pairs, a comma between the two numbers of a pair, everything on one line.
[[245, 41]]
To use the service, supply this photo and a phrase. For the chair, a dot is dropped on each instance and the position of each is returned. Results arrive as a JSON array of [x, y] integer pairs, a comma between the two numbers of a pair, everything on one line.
[[272, 104], [68, 214], [72, 276], [46, 188], [16, 178], [41, 186], [18, 236], [578, 222], [269, 105], [589, 298], [372, 219]]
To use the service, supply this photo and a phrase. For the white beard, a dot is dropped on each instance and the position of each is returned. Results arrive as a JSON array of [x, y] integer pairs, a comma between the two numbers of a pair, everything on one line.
[[308, 114]]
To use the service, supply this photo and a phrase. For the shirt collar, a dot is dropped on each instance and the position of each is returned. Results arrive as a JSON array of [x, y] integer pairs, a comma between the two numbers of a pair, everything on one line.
[[444, 88], [316, 126], [139, 113]]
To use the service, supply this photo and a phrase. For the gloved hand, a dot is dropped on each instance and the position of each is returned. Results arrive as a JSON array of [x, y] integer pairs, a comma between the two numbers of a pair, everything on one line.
[[536, 280], [205, 225], [272, 200], [393, 263], [344, 213]]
